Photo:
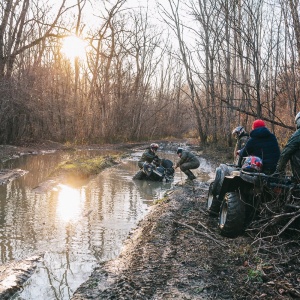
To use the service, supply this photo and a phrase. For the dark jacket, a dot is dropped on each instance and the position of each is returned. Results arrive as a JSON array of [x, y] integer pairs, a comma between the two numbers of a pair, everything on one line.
[[148, 156], [189, 159], [262, 143], [240, 144], [291, 151]]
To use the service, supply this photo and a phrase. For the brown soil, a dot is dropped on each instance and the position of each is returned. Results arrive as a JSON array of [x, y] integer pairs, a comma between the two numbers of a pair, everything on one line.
[[176, 252]]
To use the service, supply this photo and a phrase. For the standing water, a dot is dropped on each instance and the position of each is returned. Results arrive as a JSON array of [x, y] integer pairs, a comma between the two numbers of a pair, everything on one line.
[[76, 227]]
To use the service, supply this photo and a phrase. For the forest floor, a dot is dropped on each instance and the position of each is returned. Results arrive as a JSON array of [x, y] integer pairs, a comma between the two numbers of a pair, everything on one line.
[[176, 252]]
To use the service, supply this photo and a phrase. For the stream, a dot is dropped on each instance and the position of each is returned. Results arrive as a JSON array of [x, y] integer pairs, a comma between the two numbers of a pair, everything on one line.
[[74, 227]]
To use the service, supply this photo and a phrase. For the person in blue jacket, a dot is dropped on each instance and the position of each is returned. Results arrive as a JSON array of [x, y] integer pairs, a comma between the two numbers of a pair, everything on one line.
[[264, 144]]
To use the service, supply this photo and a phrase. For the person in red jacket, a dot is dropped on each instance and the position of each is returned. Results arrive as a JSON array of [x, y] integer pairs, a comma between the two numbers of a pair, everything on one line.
[[263, 144]]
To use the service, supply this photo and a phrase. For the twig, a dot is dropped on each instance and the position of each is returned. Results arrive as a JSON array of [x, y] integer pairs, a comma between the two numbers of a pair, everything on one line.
[[288, 223], [201, 233], [288, 288], [204, 226]]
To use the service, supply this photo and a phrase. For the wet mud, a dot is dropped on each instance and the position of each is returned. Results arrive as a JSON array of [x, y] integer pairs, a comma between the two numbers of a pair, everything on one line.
[[176, 252]]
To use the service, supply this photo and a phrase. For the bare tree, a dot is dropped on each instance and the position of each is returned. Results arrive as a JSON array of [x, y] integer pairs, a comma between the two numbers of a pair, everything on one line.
[[12, 28], [173, 20], [294, 6]]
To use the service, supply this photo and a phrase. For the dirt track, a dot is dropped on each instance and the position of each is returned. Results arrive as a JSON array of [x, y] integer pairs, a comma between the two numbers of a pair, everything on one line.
[[176, 252]]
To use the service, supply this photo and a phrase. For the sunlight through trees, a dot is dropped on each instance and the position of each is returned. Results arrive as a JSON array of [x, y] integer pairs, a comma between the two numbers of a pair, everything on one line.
[[176, 68]]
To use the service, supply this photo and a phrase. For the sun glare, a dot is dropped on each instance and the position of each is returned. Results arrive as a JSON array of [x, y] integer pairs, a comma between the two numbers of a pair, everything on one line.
[[69, 203], [73, 46]]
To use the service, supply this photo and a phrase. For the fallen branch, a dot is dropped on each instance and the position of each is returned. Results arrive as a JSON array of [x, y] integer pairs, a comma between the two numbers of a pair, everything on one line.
[[287, 225], [201, 233], [204, 227], [271, 222]]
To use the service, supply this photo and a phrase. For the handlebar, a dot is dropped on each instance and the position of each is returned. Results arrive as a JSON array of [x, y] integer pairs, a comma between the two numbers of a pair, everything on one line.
[[232, 165]]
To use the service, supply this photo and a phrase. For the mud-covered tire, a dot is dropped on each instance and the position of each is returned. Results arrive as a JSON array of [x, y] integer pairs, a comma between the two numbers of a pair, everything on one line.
[[221, 171], [217, 183], [213, 204], [232, 215], [140, 175]]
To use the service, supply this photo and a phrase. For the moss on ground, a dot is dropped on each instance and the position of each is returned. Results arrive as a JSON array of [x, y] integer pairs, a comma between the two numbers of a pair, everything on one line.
[[86, 167]]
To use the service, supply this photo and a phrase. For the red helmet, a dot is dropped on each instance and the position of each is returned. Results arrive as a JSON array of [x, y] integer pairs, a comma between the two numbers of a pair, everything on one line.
[[252, 164], [154, 146]]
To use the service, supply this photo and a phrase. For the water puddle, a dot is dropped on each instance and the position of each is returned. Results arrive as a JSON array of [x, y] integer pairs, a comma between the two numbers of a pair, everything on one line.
[[76, 227]]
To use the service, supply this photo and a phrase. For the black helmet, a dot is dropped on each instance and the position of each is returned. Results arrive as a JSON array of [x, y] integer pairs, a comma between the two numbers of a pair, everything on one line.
[[297, 120], [237, 131], [154, 146], [179, 150]]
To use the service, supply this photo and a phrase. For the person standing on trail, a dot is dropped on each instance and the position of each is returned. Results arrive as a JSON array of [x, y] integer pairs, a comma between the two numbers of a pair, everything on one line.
[[187, 162], [262, 143], [149, 155], [242, 138], [291, 152]]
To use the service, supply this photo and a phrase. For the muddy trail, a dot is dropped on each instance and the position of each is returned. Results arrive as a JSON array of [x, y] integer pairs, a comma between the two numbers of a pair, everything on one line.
[[176, 252]]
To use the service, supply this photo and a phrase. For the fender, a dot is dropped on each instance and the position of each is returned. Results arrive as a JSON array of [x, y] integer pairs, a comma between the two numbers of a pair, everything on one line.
[[234, 183]]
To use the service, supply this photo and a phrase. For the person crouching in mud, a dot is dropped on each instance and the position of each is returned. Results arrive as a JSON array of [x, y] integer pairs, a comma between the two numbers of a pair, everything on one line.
[[187, 162]]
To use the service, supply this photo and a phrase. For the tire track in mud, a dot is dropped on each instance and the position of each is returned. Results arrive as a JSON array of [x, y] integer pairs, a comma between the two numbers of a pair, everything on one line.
[[161, 260]]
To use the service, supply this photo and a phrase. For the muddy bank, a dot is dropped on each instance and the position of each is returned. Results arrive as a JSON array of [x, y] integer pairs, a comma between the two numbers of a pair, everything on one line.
[[14, 274], [164, 259], [176, 252]]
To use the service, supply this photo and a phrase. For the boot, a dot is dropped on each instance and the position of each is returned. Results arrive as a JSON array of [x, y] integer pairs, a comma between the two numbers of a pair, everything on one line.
[[189, 174], [189, 182]]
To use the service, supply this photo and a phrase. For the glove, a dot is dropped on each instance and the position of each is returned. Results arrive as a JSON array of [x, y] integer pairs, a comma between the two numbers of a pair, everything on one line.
[[238, 152], [156, 161]]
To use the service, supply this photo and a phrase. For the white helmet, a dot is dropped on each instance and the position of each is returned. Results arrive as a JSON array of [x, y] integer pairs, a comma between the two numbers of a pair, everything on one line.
[[297, 120], [154, 146], [237, 131]]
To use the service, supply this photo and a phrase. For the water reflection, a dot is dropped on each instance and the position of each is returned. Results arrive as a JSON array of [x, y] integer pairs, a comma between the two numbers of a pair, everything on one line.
[[75, 227], [70, 203], [152, 190]]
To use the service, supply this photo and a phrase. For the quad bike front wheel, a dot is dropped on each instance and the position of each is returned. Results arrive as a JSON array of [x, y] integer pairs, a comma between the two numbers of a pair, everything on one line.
[[217, 183], [213, 204], [140, 175], [232, 215]]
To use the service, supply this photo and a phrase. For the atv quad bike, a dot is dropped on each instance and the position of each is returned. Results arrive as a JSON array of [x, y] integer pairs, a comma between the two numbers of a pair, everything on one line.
[[241, 194], [156, 171]]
